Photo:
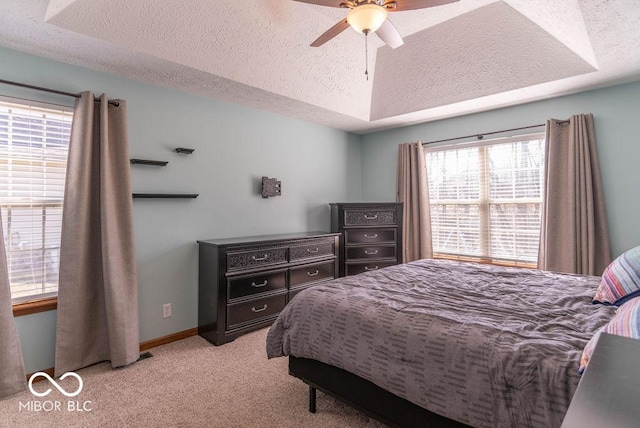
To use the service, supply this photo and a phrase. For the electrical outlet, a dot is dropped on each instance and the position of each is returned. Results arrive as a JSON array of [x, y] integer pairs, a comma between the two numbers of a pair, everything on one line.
[[166, 310]]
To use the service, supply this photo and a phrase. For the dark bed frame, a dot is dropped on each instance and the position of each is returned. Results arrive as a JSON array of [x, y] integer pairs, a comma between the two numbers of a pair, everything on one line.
[[363, 395]]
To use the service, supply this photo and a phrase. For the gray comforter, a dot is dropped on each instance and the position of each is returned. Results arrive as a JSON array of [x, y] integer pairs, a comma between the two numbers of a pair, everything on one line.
[[485, 345]]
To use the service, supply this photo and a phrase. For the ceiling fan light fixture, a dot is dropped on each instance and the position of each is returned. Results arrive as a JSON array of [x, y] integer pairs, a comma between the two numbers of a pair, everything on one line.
[[367, 17]]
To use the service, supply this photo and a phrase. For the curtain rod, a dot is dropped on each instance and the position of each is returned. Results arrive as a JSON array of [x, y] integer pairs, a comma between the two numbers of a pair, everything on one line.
[[53, 91], [481, 136]]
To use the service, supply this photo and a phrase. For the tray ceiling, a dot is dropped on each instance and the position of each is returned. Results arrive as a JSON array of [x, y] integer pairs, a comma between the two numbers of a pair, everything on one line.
[[459, 58]]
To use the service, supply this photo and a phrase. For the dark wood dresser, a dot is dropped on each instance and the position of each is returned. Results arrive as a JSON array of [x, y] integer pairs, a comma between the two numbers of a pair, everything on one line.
[[244, 283], [371, 235]]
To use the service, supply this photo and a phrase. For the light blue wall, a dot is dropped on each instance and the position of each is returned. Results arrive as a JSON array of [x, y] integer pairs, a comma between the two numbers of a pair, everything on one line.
[[617, 121], [234, 147]]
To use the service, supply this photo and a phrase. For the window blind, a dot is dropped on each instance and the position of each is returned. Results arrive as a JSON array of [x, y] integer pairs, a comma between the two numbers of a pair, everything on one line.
[[34, 144], [486, 199]]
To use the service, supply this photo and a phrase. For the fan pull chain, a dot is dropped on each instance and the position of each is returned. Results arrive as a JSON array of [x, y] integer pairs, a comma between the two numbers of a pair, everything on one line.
[[366, 55]]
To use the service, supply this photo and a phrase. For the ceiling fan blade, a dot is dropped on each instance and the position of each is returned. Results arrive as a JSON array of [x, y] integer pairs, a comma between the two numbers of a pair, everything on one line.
[[329, 3], [331, 33], [416, 4], [389, 34]]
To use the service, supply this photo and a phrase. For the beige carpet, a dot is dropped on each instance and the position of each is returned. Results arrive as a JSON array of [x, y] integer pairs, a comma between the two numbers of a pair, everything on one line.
[[189, 383]]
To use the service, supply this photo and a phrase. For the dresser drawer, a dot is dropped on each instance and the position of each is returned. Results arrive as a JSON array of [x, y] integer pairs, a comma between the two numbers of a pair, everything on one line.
[[311, 273], [255, 310], [369, 236], [371, 252], [311, 250], [253, 284], [356, 268], [256, 258], [370, 217]]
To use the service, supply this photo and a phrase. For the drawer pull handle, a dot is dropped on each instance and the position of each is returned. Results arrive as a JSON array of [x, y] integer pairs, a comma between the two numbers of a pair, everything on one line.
[[313, 273], [264, 308], [374, 236], [372, 217], [373, 268], [370, 252], [259, 259], [253, 284], [309, 250]]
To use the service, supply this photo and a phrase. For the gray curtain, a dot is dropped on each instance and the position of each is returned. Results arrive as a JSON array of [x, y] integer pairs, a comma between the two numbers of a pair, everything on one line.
[[12, 376], [413, 192], [97, 316], [574, 237]]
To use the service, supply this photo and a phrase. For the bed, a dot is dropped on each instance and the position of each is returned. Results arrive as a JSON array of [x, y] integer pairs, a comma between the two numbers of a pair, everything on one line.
[[448, 342]]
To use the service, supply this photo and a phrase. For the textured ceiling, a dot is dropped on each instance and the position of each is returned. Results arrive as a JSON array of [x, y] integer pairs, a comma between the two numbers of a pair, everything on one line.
[[458, 58]]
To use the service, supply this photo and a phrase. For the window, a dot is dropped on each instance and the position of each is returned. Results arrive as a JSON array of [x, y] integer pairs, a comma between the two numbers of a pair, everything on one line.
[[34, 143], [486, 199]]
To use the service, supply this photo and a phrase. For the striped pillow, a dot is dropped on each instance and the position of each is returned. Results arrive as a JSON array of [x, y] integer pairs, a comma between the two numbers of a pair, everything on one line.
[[620, 280], [588, 350], [626, 322]]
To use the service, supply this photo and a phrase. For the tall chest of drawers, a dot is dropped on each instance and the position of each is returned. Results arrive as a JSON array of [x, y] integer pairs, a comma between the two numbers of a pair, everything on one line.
[[244, 283], [371, 235]]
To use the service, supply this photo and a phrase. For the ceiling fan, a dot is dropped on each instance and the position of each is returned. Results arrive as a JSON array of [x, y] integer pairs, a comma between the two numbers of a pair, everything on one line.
[[370, 16]]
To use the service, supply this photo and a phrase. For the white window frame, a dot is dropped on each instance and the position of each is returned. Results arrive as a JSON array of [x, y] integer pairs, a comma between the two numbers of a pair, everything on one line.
[[11, 205], [484, 202]]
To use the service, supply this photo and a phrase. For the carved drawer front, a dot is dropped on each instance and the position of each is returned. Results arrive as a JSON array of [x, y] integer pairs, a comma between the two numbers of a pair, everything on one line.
[[372, 217], [311, 273], [256, 258], [356, 268], [371, 252], [312, 249], [254, 284], [255, 310], [369, 236]]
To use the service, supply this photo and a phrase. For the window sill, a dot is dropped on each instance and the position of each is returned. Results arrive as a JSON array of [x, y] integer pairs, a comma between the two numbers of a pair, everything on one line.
[[34, 307], [507, 263]]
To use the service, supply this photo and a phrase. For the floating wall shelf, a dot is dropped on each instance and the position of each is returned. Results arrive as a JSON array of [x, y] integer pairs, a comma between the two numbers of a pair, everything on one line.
[[164, 195], [147, 162], [184, 150]]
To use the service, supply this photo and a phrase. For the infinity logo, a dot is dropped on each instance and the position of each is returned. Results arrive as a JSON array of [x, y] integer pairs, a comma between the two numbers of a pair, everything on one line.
[[54, 383]]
